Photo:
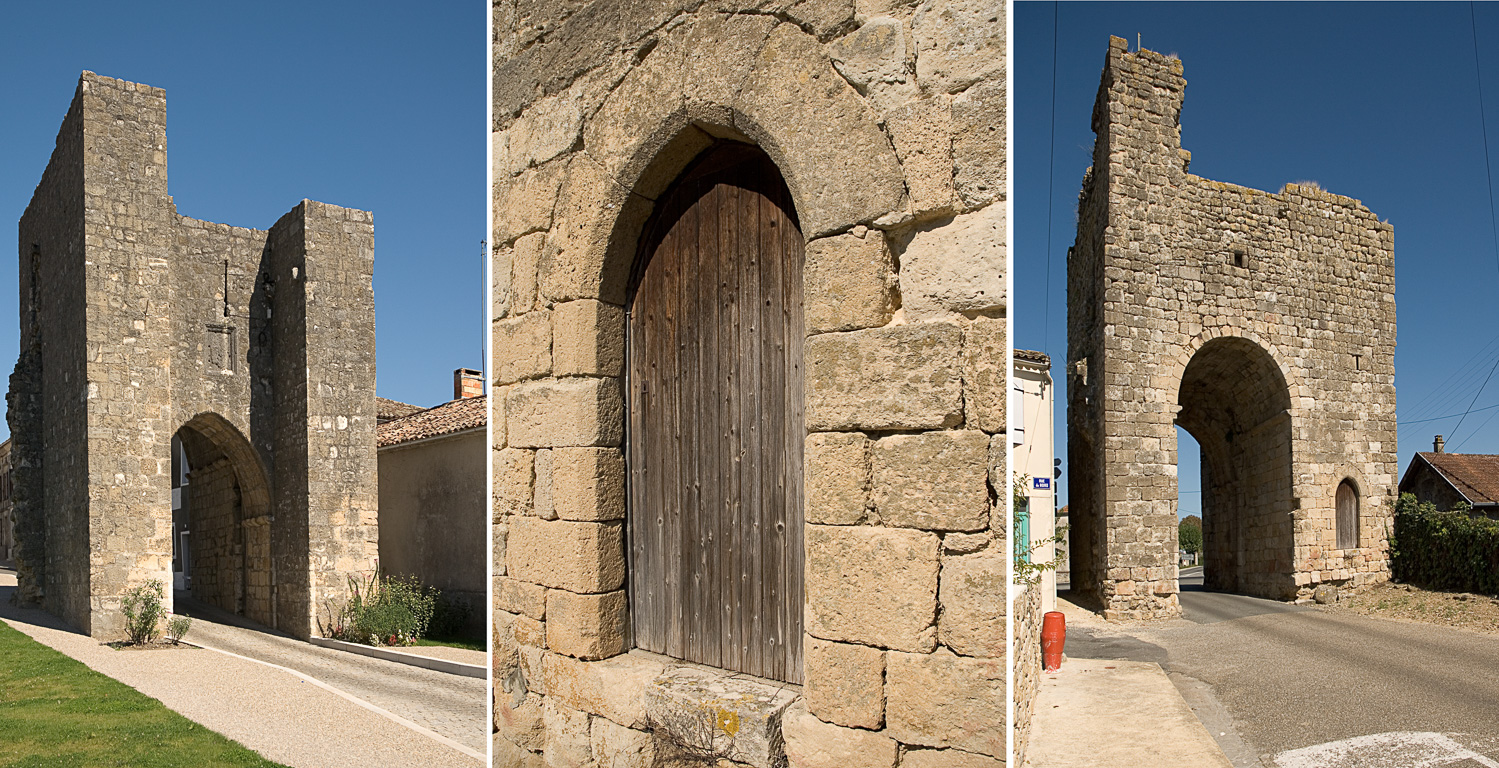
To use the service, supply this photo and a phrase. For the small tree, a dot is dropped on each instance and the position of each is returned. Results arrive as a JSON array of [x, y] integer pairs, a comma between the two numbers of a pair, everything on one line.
[[143, 610], [1025, 571], [1189, 536]]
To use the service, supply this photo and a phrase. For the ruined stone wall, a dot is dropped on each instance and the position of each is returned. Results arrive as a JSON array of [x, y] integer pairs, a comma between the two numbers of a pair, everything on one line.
[[1026, 660], [1292, 290], [136, 321], [887, 123]]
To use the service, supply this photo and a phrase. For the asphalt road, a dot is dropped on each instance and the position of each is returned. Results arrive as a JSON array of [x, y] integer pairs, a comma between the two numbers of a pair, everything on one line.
[[1290, 686]]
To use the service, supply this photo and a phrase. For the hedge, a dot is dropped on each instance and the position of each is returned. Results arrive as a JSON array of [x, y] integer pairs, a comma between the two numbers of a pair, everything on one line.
[[1452, 551]]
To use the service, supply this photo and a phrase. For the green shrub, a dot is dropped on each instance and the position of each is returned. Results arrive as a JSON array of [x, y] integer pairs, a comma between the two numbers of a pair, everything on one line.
[[143, 610], [177, 627], [384, 611], [1452, 551]]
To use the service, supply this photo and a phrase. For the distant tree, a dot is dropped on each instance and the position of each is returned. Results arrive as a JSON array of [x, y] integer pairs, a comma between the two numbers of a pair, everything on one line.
[[1189, 534]]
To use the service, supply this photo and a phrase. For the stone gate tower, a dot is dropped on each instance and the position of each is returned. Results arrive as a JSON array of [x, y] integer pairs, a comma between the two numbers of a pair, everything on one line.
[[255, 349], [1263, 324]]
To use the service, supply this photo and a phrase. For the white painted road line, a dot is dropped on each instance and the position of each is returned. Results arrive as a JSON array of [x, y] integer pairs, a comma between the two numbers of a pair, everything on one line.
[[1400, 749]]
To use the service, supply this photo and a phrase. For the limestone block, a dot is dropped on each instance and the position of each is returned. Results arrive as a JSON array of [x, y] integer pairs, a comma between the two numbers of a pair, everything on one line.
[[529, 632], [525, 261], [826, 18], [523, 348], [587, 626], [838, 164], [578, 262], [541, 501], [498, 535], [512, 481], [947, 758], [567, 739], [942, 700], [955, 265], [625, 133], [900, 377], [811, 743], [566, 413], [873, 55], [588, 338], [848, 282], [525, 203], [521, 724], [615, 746], [985, 371], [546, 129], [512, 756], [972, 620], [844, 683], [588, 484], [876, 586], [578, 557], [978, 144], [719, 713], [935, 480], [613, 688], [922, 133], [496, 408], [720, 50], [523, 597], [837, 477], [958, 43], [501, 269]]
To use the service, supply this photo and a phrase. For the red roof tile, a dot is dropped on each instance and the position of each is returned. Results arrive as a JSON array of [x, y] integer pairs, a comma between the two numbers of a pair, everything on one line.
[[1474, 475], [445, 419]]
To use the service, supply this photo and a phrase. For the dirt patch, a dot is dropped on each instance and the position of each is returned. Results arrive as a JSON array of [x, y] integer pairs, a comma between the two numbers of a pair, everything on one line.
[[123, 645], [1403, 601]]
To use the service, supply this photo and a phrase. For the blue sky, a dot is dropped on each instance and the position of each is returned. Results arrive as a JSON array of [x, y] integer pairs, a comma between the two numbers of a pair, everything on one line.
[[371, 105], [1376, 101]]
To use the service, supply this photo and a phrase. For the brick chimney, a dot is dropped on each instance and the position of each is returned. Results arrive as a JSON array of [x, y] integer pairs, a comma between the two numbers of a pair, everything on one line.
[[467, 383], [1438, 444]]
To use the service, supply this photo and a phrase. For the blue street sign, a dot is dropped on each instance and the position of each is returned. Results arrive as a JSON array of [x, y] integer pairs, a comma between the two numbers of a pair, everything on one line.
[[1041, 483]]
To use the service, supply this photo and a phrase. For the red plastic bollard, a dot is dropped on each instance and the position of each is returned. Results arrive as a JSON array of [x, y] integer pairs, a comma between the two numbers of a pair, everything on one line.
[[1053, 640]]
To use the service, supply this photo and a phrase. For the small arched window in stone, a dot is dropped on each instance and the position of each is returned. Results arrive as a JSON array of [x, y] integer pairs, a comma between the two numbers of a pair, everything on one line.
[[1347, 522]]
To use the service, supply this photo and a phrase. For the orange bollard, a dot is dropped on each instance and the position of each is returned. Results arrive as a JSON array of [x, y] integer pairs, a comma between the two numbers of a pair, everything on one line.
[[1053, 640]]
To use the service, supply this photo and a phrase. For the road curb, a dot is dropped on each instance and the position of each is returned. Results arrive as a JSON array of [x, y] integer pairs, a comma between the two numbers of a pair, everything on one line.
[[411, 659]]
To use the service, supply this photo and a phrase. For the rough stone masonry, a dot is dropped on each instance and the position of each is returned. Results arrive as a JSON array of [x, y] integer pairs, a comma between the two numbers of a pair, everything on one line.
[[886, 121], [137, 323], [1263, 324]]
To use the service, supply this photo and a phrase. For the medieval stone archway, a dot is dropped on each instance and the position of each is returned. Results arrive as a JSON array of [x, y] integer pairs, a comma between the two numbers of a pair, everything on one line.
[[1262, 323], [1235, 402], [222, 506]]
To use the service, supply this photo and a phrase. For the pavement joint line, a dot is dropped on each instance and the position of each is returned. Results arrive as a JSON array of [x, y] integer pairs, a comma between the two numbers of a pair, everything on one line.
[[393, 717]]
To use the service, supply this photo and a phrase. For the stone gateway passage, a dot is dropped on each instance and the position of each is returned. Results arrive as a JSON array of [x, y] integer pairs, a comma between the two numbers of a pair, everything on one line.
[[151, 342], [1263, 325]]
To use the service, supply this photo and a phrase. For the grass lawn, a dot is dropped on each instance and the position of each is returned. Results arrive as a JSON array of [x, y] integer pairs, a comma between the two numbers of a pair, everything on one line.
[[472, 644], [54, 711]]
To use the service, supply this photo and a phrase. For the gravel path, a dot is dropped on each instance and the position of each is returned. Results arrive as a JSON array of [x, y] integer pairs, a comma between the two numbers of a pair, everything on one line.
[[449, 705], [448, 653], [280, 715]]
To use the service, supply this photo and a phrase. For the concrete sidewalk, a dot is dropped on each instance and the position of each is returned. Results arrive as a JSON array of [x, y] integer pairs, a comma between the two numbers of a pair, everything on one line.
[[1105, 713], [1098, 713], [284, 716]]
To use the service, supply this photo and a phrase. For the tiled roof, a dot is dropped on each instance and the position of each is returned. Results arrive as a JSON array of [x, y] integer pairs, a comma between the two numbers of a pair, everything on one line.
[[1474, 475], [1032, 356], [387, 409], [450, 417]]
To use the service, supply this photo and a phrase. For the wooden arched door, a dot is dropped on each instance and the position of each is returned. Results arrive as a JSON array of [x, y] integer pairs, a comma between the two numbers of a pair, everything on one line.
[[715, 429]]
